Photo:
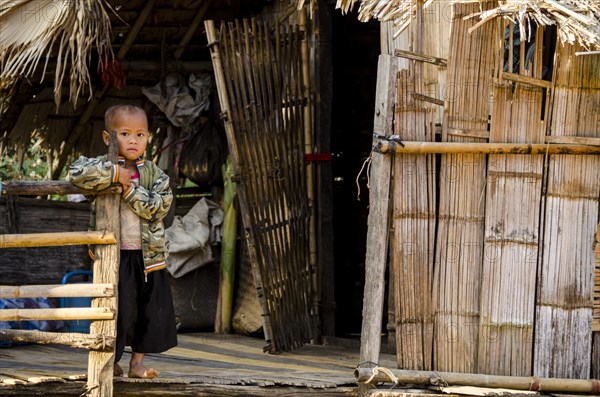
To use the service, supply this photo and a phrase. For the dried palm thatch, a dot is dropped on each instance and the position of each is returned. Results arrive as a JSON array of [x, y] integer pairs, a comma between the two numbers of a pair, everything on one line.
[[64, 29], [576, 20]]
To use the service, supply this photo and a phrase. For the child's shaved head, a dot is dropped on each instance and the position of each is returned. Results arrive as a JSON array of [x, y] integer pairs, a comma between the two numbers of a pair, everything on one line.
[[115, 111]]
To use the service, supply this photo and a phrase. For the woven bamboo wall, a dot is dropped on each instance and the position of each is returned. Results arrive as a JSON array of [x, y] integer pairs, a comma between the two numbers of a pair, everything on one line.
[[459, 250], [563, 336], [414, 215], [510, 290]]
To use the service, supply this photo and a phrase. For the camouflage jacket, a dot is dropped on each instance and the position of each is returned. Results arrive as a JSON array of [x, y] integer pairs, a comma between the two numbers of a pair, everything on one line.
[[150, 200]]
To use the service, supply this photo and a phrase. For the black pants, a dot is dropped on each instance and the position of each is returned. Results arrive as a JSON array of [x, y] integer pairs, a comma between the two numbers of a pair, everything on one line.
[[146, 318]]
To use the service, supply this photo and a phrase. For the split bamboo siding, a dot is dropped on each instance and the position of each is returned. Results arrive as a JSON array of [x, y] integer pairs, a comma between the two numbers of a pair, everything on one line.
[[496, 274], [459, 250], [265, 91], [413, 221], [565, 288]]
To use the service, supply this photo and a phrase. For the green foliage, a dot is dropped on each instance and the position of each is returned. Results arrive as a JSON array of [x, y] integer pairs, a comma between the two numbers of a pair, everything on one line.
[[34, 167]]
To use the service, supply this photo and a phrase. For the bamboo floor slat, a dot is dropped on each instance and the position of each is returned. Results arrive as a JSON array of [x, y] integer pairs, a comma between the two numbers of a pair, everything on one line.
[[514, 189], [459, 243], [566, 272], [199, 362]]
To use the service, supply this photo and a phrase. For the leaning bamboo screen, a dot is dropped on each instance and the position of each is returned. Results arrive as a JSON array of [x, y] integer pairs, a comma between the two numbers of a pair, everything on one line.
[[262, 67], [510, 291]]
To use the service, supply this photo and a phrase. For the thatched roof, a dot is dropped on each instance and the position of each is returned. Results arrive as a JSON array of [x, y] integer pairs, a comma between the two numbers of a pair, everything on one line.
[[576, 20], [33, 28], [59, 50]]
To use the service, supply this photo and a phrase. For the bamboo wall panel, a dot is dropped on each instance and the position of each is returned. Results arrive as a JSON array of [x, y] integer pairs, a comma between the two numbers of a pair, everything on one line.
[[596, 309], [263, 69], [511, 234], [459, 243], [414, 225], [566, 273], [433, 42]]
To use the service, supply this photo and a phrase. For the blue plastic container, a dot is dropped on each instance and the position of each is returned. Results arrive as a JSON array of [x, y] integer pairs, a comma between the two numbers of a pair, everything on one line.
[[82, 326]]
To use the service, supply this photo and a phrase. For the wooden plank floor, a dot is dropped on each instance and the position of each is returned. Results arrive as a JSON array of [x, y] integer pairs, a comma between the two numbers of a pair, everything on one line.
[[201, 365]]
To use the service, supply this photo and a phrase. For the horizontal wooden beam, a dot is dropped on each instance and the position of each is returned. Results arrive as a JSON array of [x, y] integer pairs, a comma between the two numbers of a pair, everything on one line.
[[56, 239], [71, 313], [483, 148], [58, 291], [576, 140], [169, 65], [435, 101], [71, 339], [421, 57], [43, 188], [548, 385], [517, 78]]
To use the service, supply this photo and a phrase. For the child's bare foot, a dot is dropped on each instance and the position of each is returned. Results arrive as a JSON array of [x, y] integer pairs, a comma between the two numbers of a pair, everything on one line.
[[117, 370], [137, 370]]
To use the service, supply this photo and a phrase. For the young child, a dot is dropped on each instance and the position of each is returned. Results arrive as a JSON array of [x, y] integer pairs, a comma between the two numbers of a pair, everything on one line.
[[146, 319]]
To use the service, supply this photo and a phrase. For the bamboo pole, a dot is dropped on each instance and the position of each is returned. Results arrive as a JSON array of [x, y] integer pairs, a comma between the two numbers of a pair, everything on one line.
[[43, 188], [56, 239], [69, 313], [71, 339], [484, 148], [198, 18], [228, 250], [57, 291], [310, 168], [106, 270], [533, 383]]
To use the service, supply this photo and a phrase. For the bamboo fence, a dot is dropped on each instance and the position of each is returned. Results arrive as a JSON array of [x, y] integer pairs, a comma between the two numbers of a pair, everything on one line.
[[413, 219], [101, 340], [459, 245], [265, 89], [565, 288]]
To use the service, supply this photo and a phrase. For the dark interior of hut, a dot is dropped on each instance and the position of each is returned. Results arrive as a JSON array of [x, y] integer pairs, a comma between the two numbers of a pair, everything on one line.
[[355, 53], [161, 48]]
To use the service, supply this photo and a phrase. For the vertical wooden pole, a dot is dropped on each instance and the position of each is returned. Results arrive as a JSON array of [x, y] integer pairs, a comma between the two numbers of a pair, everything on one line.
[[106, 270], [377, 232]]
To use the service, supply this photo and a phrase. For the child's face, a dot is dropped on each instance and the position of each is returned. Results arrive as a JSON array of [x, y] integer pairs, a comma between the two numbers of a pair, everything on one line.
[[132, 134]]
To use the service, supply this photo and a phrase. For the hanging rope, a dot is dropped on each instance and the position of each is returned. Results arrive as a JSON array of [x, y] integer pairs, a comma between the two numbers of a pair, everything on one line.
[[366, 163]]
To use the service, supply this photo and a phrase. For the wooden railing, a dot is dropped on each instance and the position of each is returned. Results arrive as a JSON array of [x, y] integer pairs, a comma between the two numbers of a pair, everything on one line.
[[101, 340]]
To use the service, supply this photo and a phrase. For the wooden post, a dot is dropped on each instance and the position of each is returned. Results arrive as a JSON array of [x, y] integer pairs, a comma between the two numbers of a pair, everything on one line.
[[377, 232], [106, 270]]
